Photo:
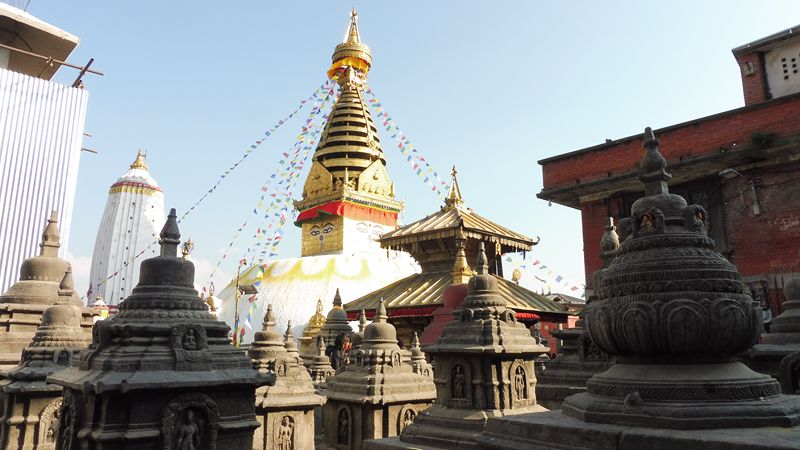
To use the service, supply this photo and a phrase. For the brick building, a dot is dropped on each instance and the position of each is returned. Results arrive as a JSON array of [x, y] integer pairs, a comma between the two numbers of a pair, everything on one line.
[[742, 165]]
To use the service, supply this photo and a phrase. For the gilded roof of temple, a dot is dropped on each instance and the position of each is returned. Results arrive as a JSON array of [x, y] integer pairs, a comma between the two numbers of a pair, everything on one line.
[[426, 289], [446, 222]]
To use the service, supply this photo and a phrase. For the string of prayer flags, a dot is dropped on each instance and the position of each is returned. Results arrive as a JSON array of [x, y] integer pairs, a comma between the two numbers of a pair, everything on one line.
[[544, 274], [419, 164]]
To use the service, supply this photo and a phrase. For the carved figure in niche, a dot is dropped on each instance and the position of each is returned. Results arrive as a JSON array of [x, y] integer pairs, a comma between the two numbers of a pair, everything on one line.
[[396, 360], [343, 431], [646, 223], [281, 369], [408, 417], [520, 383], [189, 432], [189, 340], [63, 357], [537, 333], [459, 382], [285, 439]]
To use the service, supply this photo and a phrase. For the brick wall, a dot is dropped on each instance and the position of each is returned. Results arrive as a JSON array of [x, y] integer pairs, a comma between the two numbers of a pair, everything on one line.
[[698, 137], [754, 84]]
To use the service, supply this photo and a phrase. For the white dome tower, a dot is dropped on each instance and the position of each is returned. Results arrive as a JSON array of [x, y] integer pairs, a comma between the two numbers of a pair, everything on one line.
[[131, 222]]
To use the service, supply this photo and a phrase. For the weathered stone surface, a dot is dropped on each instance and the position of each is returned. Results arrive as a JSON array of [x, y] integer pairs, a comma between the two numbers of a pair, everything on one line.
[[378, 394], [778, 354], [30, 405], [162, 373], [483, 367], [285, 410], [675, 315], [22, 305]]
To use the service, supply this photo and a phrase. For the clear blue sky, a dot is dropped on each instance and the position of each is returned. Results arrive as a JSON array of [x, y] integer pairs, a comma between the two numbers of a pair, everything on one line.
[[489, 86]]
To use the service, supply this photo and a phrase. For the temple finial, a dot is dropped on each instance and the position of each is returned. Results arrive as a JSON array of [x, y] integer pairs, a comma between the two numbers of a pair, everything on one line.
[[288, 336], [51, 237], [454, 198], [652, 170], [461, 272], [415, 341], [170, 236], [352, 31], [362, 321], [337, 299], [65, 288], [319, 306], [269, 319], [482, 265], [139, 162]]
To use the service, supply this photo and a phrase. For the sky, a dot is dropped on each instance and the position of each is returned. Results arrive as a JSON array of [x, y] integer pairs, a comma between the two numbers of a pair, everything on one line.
[[491, 87]]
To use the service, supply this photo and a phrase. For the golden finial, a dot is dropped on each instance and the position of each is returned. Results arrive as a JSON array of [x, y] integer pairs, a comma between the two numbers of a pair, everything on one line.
[[187, 248], [139, 163], [461, 272], [351, 52], [454, 198], [352, 31]]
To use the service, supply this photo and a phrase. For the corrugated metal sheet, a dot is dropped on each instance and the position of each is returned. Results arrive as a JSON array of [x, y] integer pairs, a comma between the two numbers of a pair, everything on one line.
[[446, 221], [426, 289], [41, 130]]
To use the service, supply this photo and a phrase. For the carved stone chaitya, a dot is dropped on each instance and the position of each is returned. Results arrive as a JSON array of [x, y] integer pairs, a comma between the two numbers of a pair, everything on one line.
[[419, 364], [22, 305], [320, 367], [30, 405], [579, 357], [778, 354], [675, 314], [378, 394], [483, 367], [162, 373], [285, 410]]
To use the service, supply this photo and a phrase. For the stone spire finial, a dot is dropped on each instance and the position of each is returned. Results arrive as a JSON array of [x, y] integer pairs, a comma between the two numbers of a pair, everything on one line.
[[337, 299], [362, 321], [51, 237], [609, 243], [65, 288], [482, 266], [170, 236], [321, 346], [652, 170], [269, 319], [290, 344], [415, 341], [380, 313]]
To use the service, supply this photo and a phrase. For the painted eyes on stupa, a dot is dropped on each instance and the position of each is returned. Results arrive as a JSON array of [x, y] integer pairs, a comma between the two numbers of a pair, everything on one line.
[[327, 228], [315, 231]]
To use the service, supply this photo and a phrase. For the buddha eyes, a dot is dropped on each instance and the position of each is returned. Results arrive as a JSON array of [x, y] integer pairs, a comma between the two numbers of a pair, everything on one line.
[[327, 228], [314, 231]]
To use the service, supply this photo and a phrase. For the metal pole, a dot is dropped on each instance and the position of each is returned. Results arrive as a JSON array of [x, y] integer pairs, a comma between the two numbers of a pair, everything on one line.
[[236, 313], [48, 59]]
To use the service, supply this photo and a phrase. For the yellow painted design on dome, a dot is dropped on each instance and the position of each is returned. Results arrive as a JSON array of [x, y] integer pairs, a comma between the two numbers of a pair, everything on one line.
[[299, 272]]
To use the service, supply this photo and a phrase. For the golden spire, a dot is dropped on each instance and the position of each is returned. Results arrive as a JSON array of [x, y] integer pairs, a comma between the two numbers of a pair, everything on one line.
[[139, 163], [461, 272], [351, 52], [454, 198]]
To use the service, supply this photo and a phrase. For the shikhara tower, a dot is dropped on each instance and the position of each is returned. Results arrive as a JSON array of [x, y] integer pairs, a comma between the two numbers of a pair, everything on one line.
[[131, 222], [348, 198]]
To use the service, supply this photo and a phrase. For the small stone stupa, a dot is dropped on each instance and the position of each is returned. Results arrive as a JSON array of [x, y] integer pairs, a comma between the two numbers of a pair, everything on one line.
[[320, 367], [419, 364], [377, 394], [675, 314], [579, 358], [29, 419], [162, 373], [309, 338], [22, 305], [286, 409], [336, 322], [484, 367], [778, 354]]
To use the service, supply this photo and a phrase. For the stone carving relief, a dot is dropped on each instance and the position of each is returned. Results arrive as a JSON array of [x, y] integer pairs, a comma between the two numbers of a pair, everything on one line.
[[65, 434], [396, 359], [49, 422], [190, 422], [588, 351], [648, 222], [520, 383], [789, 374], [459, 382], [190, 344], [406, 417], [285, 434], [343, 427], [696, 218]]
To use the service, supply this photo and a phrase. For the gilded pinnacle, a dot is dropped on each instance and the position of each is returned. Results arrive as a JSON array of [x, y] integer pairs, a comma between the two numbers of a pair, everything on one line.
[[139, 163]]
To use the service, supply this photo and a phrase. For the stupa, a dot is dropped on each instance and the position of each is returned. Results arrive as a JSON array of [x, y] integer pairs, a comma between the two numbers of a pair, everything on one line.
[[348, 201], [23, 304], [674, 313], [336, 322], [778, 354], [579, 358], [162, 373], [30, 405], [483, 366], [419, 363], [309, 338], [133, 214], [377, 395], [285, 410], [320, 367]]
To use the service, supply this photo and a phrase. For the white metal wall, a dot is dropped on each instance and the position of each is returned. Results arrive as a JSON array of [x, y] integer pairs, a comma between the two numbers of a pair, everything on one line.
[[41, 131]]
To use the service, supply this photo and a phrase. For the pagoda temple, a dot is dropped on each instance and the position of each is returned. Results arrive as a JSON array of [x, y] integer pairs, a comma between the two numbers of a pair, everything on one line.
[[130, 224], [348, 201], [434, 242], [24, 303]]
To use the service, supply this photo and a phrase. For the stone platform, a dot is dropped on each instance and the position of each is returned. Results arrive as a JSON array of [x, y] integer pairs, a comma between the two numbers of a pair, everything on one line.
[[553, 430]]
